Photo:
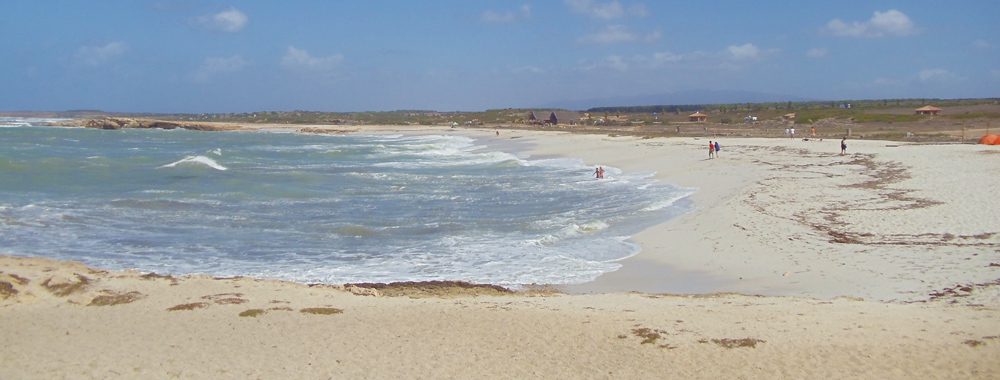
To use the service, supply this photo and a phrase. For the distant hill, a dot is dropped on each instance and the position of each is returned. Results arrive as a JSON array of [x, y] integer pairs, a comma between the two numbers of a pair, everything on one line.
[[677, 98]]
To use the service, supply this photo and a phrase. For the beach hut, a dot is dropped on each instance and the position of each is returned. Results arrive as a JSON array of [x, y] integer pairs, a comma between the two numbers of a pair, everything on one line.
[[697, 116], [789, 116], [927, 110], [553, 119], [531, 117]]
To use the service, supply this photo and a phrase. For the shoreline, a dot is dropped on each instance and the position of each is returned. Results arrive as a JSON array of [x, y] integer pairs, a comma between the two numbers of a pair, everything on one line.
[[889, 274], [888, 221], [784, 217]]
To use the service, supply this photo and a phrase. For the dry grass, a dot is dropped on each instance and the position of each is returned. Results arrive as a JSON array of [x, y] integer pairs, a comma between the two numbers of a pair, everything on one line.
[[253, 313], [321, 310], [281, 308], [733, 343], [189, 306], [974, 343], [115, 299], [7, 290], [68, 288]]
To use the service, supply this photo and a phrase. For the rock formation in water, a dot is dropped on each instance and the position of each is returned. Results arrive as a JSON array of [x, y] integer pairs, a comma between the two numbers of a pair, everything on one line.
[[122, 122]]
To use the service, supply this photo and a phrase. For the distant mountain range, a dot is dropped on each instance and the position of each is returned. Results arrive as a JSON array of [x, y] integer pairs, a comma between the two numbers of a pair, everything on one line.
[[677, 98]]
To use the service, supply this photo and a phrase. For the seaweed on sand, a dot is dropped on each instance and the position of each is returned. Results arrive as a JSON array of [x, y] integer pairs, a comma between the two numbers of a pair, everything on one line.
[[115, 299], [67, 288], [321, 310]]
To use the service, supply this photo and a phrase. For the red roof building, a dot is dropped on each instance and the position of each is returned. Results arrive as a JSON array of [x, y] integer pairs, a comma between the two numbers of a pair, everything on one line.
[[927, 110]]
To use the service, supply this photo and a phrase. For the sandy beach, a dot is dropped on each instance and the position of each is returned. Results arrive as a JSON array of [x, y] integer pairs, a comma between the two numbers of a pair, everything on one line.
[[795, 262]]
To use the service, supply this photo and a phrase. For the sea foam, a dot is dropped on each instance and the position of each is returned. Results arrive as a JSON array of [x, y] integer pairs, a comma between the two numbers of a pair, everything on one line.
[[196, 160]]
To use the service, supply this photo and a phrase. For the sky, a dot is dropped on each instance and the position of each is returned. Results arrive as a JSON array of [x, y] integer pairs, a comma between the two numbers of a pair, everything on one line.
[[209, 56]]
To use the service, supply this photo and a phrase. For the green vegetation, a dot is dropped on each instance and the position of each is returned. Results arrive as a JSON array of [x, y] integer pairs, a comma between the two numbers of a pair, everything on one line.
[[887, 111]]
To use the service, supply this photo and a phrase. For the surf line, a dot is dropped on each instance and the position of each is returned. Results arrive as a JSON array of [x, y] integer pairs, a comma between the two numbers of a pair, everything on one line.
[[202, 160]]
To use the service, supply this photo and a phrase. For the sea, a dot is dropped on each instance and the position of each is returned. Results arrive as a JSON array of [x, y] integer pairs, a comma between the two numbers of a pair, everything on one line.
[[319, 208]]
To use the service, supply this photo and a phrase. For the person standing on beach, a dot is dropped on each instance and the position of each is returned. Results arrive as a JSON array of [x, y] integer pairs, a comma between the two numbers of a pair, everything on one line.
[[843, 146], [717, 148], [711, 150]]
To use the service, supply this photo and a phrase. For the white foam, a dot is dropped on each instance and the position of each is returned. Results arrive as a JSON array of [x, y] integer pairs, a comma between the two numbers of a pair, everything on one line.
[[669, 201], [216, 151], [196, 160]]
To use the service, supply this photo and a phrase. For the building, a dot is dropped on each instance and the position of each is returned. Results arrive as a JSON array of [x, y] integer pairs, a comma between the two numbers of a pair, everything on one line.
[[927, 110], [698, 116]]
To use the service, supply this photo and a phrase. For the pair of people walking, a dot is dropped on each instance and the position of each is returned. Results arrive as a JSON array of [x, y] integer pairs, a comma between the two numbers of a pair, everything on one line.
[[713, 149]]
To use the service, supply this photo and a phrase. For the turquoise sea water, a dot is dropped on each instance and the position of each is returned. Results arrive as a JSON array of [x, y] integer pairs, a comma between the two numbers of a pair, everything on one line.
[[309, 208]]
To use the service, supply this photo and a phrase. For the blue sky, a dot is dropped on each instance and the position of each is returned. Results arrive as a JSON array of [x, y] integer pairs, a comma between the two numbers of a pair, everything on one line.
[[236, 56]]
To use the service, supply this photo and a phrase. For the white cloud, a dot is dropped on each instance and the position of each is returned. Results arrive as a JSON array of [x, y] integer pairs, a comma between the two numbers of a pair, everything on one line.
[[99, 55], [213, 66], [732, 58], [298, 59], [744, 52], [938, 75], [817, 53], [491, 16], [666, 57], [613, 34], [610, 34], [606, 11], [230, 20], [881, 24]]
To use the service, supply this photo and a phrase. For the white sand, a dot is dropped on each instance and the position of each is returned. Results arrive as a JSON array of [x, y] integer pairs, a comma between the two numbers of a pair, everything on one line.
[[772, 216], [580, 336], [767, 213]]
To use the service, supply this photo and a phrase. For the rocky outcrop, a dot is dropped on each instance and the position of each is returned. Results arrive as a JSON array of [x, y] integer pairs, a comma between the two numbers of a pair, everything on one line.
[[123, 122]]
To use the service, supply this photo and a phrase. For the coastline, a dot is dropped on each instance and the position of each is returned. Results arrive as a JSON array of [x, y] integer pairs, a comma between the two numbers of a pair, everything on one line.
[[888, 221], [878, 264], [782, 217]]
